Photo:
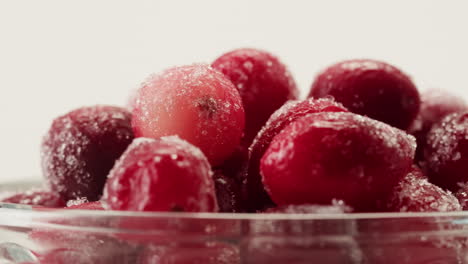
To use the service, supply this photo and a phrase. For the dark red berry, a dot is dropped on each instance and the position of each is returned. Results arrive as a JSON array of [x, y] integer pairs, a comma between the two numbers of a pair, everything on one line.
[[446, 151], [435, 105], [337, 207], [196, 253], [263, 82], [35, 197], [372, 88], [415, 193], [197, 103], [256, 196], [228, 193], [343, 156], [81, 147], [167, 174]]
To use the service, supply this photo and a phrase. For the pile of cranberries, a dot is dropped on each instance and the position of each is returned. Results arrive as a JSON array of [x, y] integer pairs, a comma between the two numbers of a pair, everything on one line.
[[234, 136]]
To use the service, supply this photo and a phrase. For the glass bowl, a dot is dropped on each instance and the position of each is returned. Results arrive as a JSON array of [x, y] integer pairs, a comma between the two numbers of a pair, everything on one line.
[[54, 236]]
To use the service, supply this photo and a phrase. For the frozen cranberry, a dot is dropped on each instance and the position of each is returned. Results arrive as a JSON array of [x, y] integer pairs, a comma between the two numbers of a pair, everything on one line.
[[81, 147], [36, 197], [338, 207], [263, 82], [435, 105], [257, 197], [166, 174], [372, 88], [198, 253], [446, 151], [344, 156], [415, 193], [195, 102], [227, 193]]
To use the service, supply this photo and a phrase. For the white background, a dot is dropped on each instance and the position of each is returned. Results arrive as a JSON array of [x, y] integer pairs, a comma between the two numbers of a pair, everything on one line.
[[59, 55]]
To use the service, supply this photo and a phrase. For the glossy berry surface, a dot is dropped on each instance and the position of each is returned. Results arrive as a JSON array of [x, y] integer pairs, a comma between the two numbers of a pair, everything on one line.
[[335, 208], [255, 193], [35, 197], [81, 147], [263, 82], [343, 156], [435, 105], [166, 174], [372, 88], [197, 103], [415, 193], [228, 193], [446, 151]]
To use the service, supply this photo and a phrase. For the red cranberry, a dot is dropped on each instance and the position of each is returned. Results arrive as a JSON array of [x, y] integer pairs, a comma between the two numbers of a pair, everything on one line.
[[257, 197], [415, 193], [206, 253], [335, 208], [263, 82], [344, 156], [81, 147], [446, 151], [435, 105], [166, 174], [36, 197], [372, 88], [227, 193], [195, 102]]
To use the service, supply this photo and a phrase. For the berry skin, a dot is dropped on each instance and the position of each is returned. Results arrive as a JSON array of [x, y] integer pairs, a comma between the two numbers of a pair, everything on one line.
[[166, 174], [416, 194], [81, 147], [263, 82], [343, 156], [435, 105], [35, 197], [197, 103], [255, 193], [372, 88], [446, 151]]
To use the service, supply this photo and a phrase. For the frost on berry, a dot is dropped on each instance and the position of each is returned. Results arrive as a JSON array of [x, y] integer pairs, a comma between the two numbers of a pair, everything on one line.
[[263, 82], [435, 105], [415, 193], [195, 102], [81, 147], [256, 196], [446, 151], [167, 174], [35, 197], [344, 156]]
